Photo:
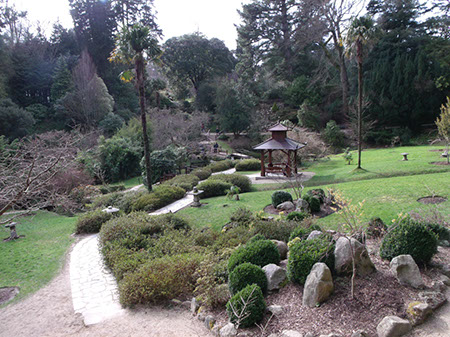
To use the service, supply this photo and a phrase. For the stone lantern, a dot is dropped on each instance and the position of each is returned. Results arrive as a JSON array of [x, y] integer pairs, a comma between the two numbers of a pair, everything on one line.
[[13, 234], [196, 193], [111, 210]]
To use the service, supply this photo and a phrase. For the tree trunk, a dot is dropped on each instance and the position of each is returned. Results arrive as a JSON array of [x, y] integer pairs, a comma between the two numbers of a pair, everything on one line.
[[344, 81], [140, 83], [360, 102]]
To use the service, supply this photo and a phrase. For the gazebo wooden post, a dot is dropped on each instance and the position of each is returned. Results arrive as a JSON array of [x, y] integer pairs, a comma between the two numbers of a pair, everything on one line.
[[295, 162], [288, 168], [270, 158], [263, 167]]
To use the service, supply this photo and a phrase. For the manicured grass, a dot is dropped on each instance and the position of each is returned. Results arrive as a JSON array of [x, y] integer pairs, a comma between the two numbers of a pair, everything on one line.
[[377, 163], [32, 261], [225, 146], [384, 198], [129, 183]]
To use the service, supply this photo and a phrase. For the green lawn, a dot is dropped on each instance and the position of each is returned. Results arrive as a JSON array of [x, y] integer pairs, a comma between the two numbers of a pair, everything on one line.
[[388, 185], [377, 163], [129, 183], [32, 261]]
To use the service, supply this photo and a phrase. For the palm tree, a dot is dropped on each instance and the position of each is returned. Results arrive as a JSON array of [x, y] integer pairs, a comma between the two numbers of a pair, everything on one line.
[[133, 46], [361, 33]]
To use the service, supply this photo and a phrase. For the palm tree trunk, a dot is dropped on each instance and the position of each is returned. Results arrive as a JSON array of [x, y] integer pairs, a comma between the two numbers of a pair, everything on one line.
[[139, 64], [360, 100]]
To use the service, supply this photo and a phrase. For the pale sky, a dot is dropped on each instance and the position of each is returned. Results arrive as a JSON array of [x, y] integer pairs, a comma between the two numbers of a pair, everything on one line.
[[213, 18]]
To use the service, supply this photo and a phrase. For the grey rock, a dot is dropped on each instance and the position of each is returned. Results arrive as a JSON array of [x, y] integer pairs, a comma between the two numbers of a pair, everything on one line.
[[276, 310], [445, 269], [313, 235], [393, 326], [433, 298], [290, 333], [275, 276], [331, 335], [209, 322], [343, 257], [418, 312], [444, 243], [201, 316], [319, 285], [244, 334], [228, 330], [438, 286], [286, 206], [283, 264], [360, 333], [194, 306], [445, 279], [282, 248], [406, 271], [302, 205], [273, 335], [309, 334], [216, 330]]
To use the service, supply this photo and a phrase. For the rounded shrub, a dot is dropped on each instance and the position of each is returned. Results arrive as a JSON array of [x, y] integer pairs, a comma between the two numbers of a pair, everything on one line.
[[303, 254], [221, 165], [296, 216], [248, 165], [202, 173], [318, 193], [313, 202], [442, 232], [242, 217], [243, 182], [249, 304], [246, 274], [213, 188], [302, 232], [260, 253], [279, 197], [185, 181], [274, 229], [92, 222], [256, 238], [409, 237], [160, 197]]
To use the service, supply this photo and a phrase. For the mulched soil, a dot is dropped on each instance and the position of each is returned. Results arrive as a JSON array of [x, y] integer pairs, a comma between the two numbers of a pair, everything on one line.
[[8, 293], [376, 296], [432, 200], [439, 163], [325, 210], [438, 150]]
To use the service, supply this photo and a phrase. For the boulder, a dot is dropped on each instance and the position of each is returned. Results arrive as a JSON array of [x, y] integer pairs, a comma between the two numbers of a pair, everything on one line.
[[282, 248], [228, 330], [438, 286], [406, 271], [276, 310], [194, 306], [313, 235], [343, 257], [286, 206], [319, 285], [331, 335], [275, 276], [445, 269], [302, 206], [433, 298], [360, 333], [445, 279], [393, 326], [283, 264], [418, 312], [290, 333]]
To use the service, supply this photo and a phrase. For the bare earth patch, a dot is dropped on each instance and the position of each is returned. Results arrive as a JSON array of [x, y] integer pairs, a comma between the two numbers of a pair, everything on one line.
[[432, 200], [8, 293], [439, 163]]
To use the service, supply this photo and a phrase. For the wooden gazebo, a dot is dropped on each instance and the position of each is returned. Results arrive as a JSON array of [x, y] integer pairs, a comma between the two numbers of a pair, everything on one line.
[[279, 141]]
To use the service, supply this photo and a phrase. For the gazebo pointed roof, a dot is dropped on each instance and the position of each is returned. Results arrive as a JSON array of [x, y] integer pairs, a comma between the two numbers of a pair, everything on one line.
[[279, 140]]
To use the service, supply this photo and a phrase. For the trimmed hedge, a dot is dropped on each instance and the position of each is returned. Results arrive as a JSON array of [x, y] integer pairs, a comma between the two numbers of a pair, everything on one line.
[[279, 197], [202, 173], [260, 253], [221, 165], [185, 181], [313, 201], [252, 309], [246, 274], [243, 182], [303, 254], [91, 222], [273, 229], [248, 165], [409, 237], [161, 196], [302, 232], [213, 188], [160, 280]]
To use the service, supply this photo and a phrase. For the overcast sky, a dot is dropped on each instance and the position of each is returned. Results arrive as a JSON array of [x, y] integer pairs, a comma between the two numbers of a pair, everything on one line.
[[213, 18]]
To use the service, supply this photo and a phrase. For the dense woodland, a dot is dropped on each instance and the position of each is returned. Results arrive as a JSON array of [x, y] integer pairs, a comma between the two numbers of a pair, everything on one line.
[[295, 60]]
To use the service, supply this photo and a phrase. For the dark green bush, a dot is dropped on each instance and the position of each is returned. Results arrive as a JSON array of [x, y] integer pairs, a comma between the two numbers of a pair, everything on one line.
[[122, 260], [160, 197], [409, 237], [318, 193], [296, 216], [219, 166], [246, 274], [251, 310], [333, 135], [303, 254], [232, 238], [248, 165], [260, 253], [314, 202], [279, 197], [274, 229], [185, 181], [110, 199], [160, 280], [243, 182], [442, 232], [91, 222], [302, 232], [202, 173], [256, 238], [213, 188], [105, 189]]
